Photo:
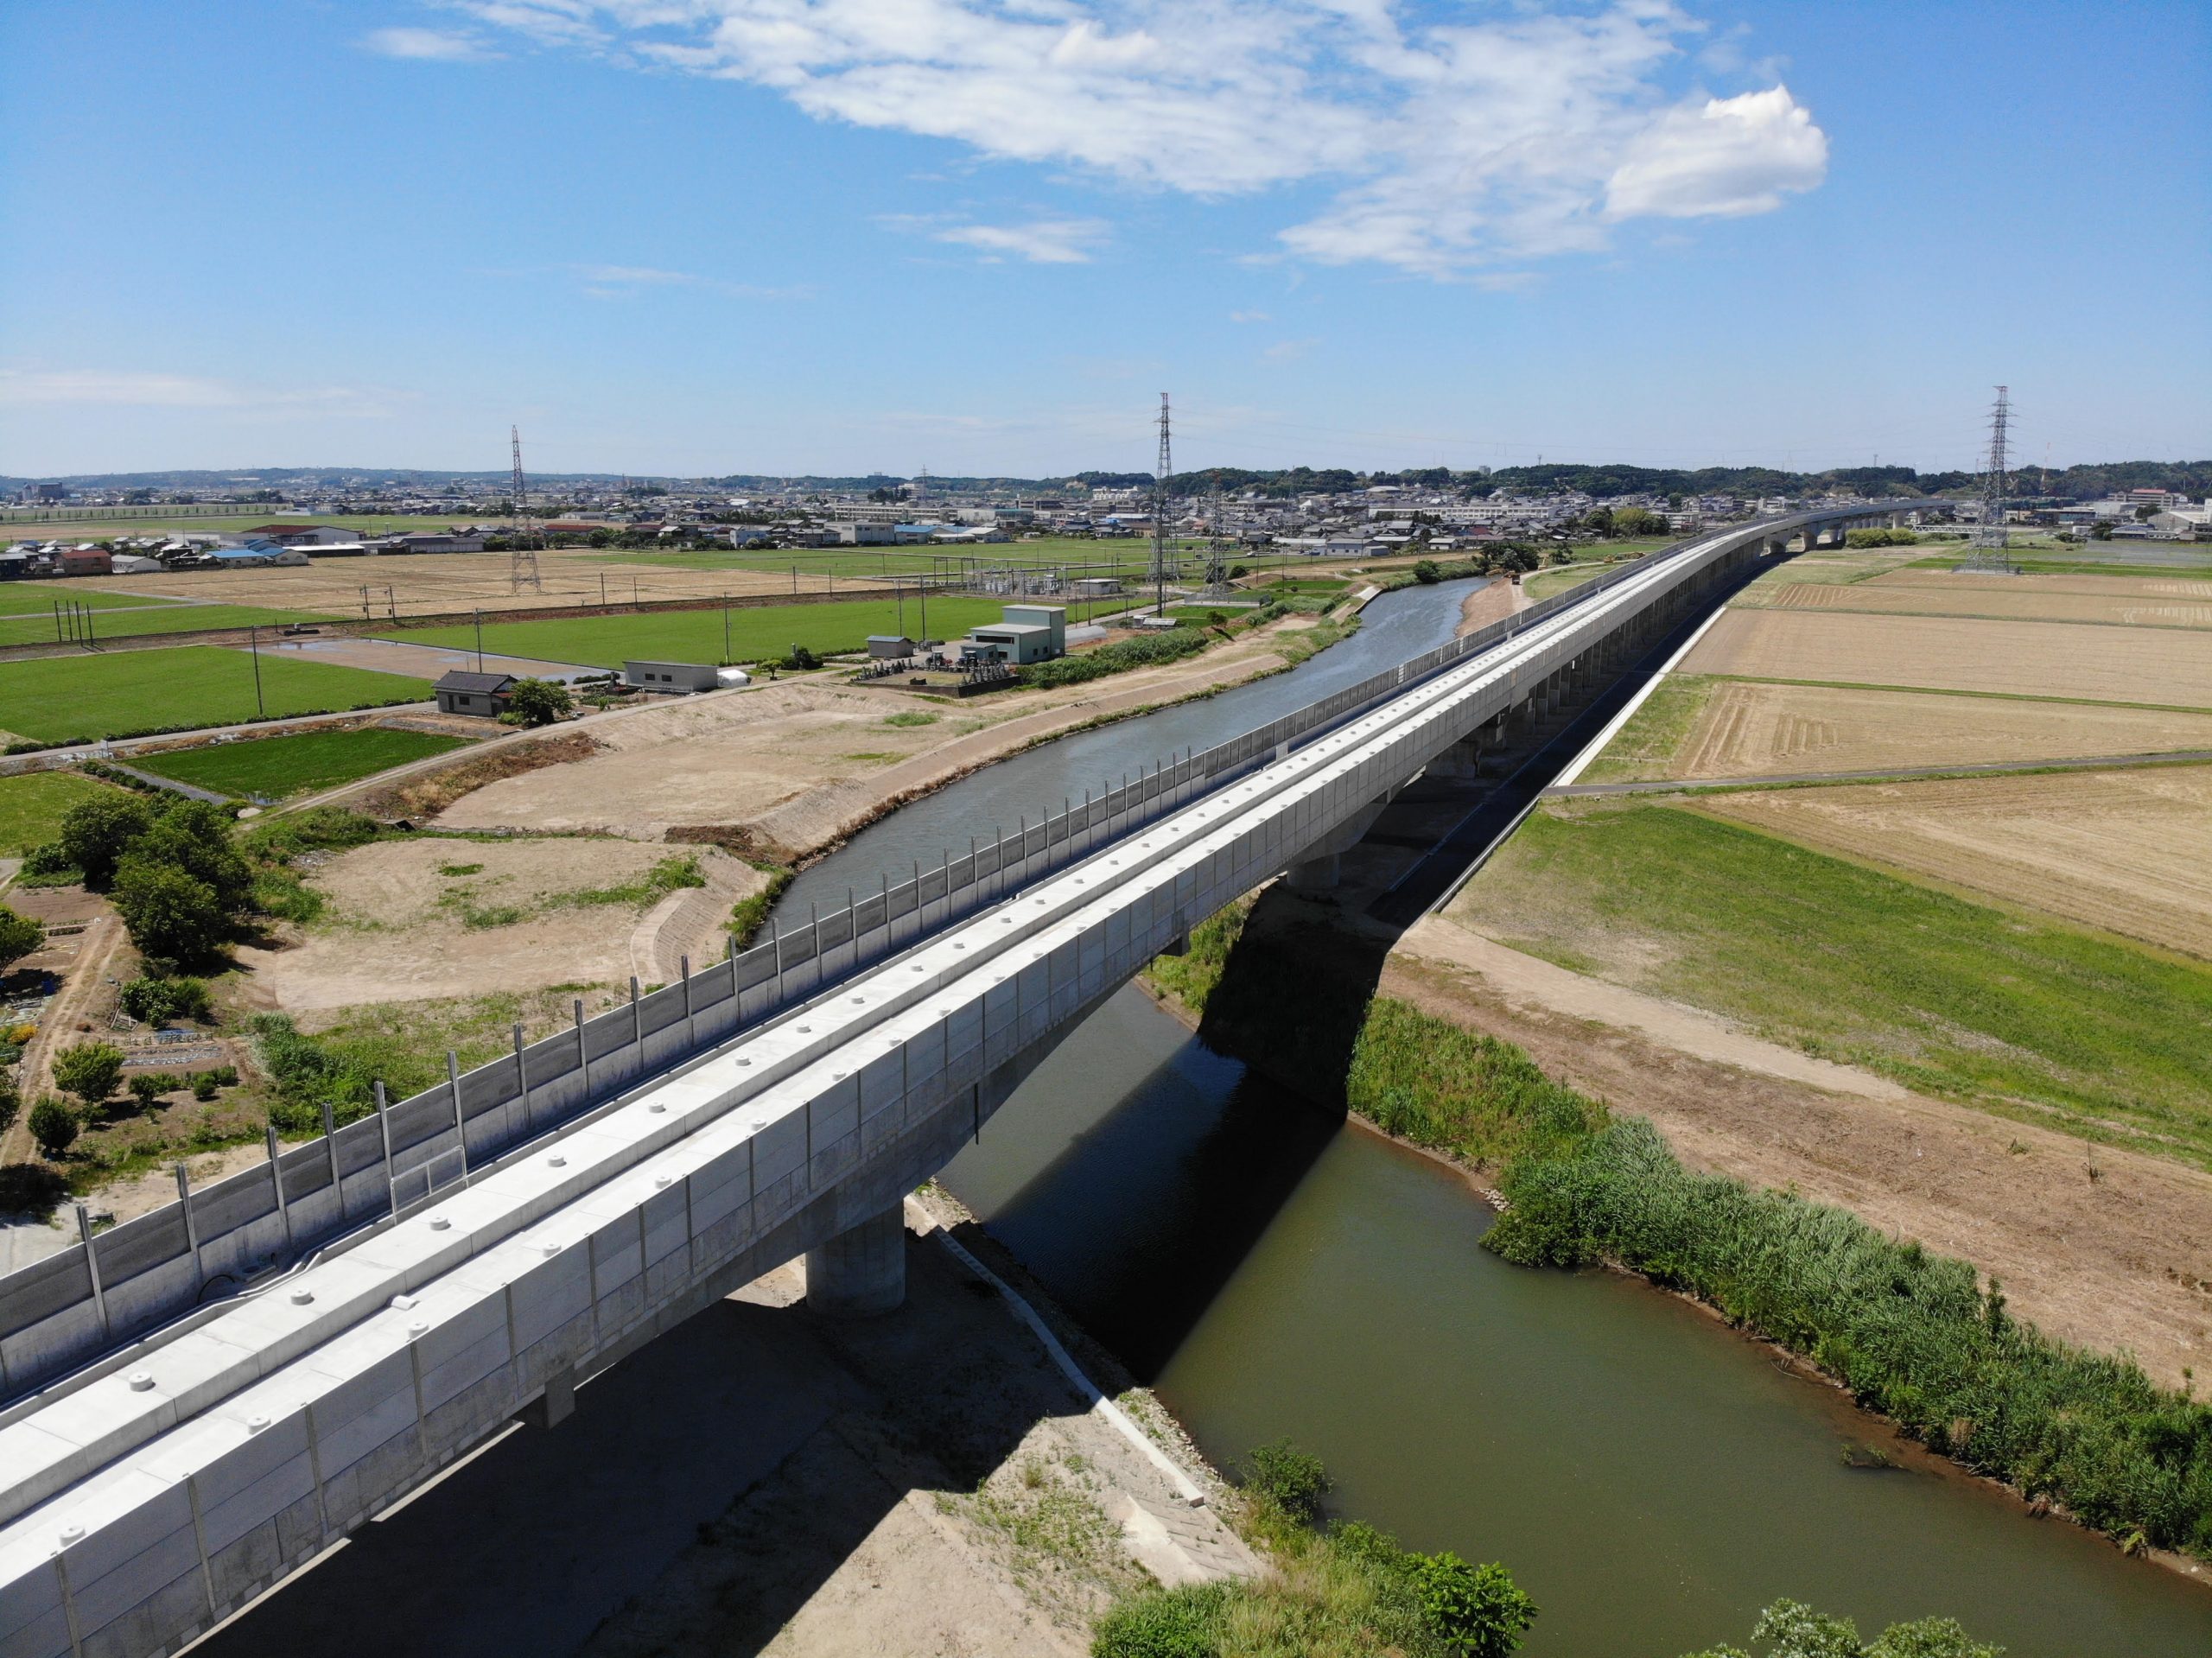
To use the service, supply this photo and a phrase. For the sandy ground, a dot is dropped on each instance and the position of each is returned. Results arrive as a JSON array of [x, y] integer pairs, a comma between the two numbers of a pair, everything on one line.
[[2170, 666], [1494, 600], [394, 929], [1750, 729], [1999, 598], [2188, 589], [2119, 1261], [761, 1481], [2125, 851], [790, 769]]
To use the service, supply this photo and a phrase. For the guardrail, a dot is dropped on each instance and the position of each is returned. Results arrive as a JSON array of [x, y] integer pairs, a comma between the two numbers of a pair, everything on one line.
[[61, 1313]]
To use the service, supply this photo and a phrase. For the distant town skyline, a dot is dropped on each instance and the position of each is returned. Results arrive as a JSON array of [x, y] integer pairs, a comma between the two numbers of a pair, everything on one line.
[[841, 237]]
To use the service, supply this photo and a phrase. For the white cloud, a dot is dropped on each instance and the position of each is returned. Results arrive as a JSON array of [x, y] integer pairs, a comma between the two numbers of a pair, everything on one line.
[[24, 387], [1041, 241], [1287, 351], [1249, 316], [1734, 156], [425, 45], [1518, 133]]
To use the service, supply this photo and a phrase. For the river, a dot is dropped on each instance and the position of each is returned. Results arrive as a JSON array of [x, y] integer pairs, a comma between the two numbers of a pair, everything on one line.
[[1651, 1478]]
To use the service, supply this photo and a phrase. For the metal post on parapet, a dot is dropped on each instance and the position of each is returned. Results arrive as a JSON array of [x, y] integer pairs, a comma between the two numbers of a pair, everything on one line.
[[690, 1030], [191, 1225], [276, 1181], [522, 1079], [330, 1152], [92, 1263], [583, 1051], [460, 1126], [636, 1021], [383, 1123]]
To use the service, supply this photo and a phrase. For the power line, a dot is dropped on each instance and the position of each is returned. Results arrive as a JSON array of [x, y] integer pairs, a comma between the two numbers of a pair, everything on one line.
[[1162, 567], [522, 559]]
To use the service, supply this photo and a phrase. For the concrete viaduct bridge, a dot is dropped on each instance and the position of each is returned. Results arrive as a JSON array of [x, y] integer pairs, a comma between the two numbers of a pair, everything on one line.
[[202, 1398]]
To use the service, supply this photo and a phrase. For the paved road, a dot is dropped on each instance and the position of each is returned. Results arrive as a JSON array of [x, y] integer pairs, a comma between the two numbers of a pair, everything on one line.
[[1990, 768]]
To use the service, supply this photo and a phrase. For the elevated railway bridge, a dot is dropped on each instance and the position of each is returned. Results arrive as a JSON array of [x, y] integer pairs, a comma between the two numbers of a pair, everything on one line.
[[201, 1400]]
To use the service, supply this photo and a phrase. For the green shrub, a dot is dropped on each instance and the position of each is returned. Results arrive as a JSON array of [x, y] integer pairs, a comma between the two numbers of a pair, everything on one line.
[[168, 912], [53, 1126], [204, 1086], [1798, 1631], [89, 1069], [51, 861], [1293, 1480], [1477, 1612], [12, 1099], [1184, 1624], [1146, 650], [19, 937], [158, 1001], [538, 702]]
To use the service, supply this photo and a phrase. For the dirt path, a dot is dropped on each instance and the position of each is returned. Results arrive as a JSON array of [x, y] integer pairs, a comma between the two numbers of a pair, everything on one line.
[[86, 976], [2099, 1245]]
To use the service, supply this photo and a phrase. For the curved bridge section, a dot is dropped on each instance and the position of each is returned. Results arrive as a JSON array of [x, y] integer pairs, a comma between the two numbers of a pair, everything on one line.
[[172, 1476]]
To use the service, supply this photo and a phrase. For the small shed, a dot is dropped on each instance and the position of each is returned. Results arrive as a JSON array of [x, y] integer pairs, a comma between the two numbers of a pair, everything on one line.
[[482, 695], [671, 676], [889, 647]]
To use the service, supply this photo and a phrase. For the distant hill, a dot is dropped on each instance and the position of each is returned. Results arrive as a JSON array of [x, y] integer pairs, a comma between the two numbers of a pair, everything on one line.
[[2078, 482]]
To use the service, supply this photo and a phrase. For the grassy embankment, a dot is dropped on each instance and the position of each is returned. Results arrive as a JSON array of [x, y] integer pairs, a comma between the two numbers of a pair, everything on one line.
[[2014, 1013], [1913, 1335], [58, 700], [20, 527], [752, 635], [271, 768], [1645, 747]]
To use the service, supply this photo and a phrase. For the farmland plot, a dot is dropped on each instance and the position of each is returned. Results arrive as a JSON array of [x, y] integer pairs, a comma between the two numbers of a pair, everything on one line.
[[2127, 851]]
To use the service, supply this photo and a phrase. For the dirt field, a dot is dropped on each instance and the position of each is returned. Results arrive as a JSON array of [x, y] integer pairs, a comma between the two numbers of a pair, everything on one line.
[[790, 768], [2119, 1262], [2126, 851], [2169, 666], [396, 928], [2192, 589], [1749, 729], [2003, 598]]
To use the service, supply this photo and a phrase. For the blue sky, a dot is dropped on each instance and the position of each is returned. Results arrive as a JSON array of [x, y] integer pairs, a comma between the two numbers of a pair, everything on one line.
[[709, 236]]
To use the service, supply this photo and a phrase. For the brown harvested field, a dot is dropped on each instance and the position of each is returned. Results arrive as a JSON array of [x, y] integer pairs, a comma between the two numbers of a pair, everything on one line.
[[395, 927], [2000, 598], [2168, 666], [790, 768], [2190, 589], [2126, 851], [1750, 728]]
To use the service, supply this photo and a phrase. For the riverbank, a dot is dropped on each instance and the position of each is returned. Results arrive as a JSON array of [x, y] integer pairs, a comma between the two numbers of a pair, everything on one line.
[[1950, 1360]]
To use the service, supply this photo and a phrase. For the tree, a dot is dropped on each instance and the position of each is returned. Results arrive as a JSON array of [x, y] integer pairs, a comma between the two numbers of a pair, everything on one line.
[[1293, 1480], [168, 912], [19, 937], [12, 1099], [539, 701], [1479, 1610], [1426, 573], [1636, 521], [195, 836], [96, 833], [90, 1070], [53, 1126]]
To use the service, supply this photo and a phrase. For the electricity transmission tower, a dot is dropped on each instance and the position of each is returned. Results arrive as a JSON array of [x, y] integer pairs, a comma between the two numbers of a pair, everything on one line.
[[1988, 541], [522, 562], [1163, 561]]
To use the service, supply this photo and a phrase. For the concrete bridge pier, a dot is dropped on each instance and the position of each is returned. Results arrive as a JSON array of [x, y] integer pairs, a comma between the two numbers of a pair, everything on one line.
[[1315, 874], [861, 1272]]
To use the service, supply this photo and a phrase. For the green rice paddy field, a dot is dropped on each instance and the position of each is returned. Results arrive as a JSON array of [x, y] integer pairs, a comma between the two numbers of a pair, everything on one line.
[[270, 768], [699, 635], [62, 699], [166, 617], [31, 806]]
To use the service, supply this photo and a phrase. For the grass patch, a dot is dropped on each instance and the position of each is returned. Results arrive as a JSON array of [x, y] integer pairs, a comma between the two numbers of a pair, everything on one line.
[[1646, 747], [19, 600], [2011, 1013], [670, 874], [698, 635], [31, 805], [270, 768], [912, 717], [172, 618], [749, 915], [131, 692], [1144, 651]]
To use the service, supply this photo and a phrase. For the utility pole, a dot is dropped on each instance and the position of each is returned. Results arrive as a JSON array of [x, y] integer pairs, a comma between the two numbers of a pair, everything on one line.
[[1160, 515], [253, 641], [479, 641]]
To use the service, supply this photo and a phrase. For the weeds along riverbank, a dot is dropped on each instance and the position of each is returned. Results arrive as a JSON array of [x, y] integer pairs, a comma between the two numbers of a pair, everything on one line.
[[1915, 1335]]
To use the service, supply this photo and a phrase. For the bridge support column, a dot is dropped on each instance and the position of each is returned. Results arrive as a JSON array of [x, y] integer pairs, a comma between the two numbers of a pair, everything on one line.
[[1315, 874], [861, 1272]]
